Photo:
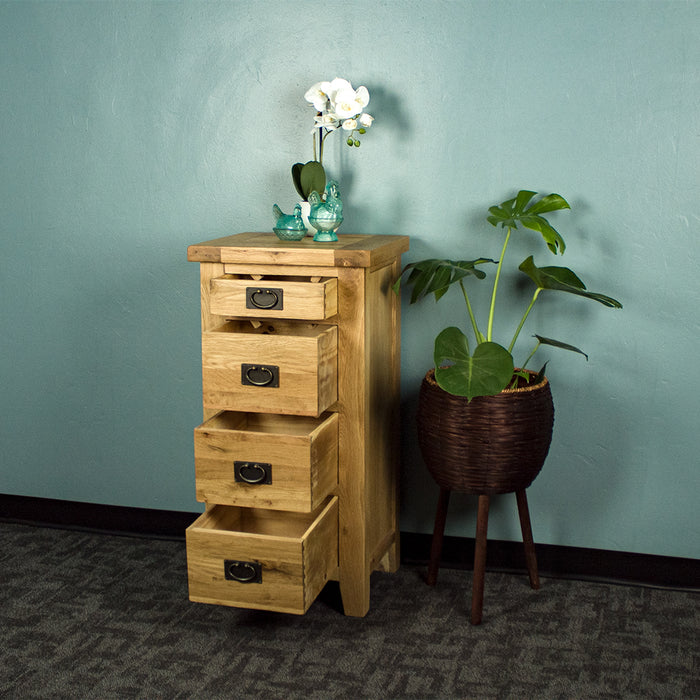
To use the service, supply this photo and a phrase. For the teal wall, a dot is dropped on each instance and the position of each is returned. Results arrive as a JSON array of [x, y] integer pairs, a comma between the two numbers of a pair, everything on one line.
[[131, 129]]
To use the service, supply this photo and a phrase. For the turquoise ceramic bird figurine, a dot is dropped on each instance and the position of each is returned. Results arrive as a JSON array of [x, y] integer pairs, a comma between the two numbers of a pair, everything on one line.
[[326, 216], [289, 227]]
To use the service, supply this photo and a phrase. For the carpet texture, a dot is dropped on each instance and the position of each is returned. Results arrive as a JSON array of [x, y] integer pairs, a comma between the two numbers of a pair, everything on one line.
[[86, 615]]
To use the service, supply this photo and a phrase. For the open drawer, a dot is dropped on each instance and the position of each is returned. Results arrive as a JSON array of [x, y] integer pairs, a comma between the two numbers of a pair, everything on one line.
[[305, 298], [266, 460], [278, 366], [263, 559]]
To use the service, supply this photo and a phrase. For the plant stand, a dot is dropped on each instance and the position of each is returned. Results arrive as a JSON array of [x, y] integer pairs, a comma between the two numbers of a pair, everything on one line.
[[484, 447], [482, 522]]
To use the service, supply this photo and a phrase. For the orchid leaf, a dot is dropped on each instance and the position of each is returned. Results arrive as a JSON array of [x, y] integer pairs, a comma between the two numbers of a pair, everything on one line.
[[296, 178], [564, 280], [436, 276], [485, 373], [308, 177], [559, 344]]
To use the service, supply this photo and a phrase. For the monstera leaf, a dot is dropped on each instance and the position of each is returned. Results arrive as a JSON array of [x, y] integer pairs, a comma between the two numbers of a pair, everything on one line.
[[489, 368], [484, 373], [558, 344], [516, 211], [564, 280], [436, 276]]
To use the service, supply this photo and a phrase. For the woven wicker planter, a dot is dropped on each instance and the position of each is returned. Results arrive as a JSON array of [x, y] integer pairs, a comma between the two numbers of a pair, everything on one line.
[[493, 444]]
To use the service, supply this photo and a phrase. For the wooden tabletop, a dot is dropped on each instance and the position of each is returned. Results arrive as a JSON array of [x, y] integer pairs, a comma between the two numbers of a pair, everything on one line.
[[350, 250]]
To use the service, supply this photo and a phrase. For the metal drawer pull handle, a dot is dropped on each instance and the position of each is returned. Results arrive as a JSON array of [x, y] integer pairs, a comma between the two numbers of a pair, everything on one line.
[[260, 375], [263, 298], [242, 571], [252, 472]]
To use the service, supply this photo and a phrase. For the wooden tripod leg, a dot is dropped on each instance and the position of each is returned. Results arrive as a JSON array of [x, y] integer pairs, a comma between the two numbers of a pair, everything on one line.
[[482, 524], [530, 556], [438, 532]]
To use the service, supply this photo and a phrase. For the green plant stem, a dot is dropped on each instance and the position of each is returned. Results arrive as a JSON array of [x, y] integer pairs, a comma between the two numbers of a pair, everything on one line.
[[530, 356], [489, 330], [471, 313], [523, 319]]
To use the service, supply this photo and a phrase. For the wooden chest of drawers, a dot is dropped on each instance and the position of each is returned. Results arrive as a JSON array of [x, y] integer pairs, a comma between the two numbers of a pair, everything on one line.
[[297, 458]]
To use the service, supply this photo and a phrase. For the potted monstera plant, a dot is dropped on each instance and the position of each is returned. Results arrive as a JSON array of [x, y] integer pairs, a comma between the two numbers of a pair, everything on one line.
[[472, 375], [485, 424]]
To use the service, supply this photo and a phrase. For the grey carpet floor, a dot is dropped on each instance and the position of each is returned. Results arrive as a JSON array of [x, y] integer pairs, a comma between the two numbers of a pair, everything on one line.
[[85, 615]]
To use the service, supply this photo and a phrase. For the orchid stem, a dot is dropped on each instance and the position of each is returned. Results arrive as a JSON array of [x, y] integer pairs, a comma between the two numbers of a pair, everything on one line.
[[489, 330], [321, 140]]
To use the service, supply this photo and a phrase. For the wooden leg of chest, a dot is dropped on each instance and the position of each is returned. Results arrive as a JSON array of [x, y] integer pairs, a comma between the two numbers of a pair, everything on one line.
[[352, 545], [368, 376]]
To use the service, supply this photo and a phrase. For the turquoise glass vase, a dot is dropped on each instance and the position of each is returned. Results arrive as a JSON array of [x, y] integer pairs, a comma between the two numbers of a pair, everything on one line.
[[326, 215]]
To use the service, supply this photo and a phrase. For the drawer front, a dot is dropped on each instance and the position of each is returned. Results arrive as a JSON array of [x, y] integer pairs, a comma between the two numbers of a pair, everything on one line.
[[266, 461], [288, 369], [269, 560], [274, 297]]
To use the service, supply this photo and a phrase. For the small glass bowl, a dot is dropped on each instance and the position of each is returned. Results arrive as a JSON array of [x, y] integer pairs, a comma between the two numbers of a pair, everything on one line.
[[287, 234]]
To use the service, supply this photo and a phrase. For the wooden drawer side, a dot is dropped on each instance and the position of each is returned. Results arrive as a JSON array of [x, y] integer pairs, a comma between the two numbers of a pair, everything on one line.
[[321, 553]]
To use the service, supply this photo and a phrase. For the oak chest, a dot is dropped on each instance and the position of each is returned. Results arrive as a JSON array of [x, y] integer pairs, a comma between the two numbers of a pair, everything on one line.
[[297, 457]]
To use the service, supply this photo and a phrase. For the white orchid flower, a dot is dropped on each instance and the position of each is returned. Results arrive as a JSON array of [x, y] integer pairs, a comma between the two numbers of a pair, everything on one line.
[[346, 104], [319, 94], [338, 106], [336, 86], [362, 96], [327, 120]]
